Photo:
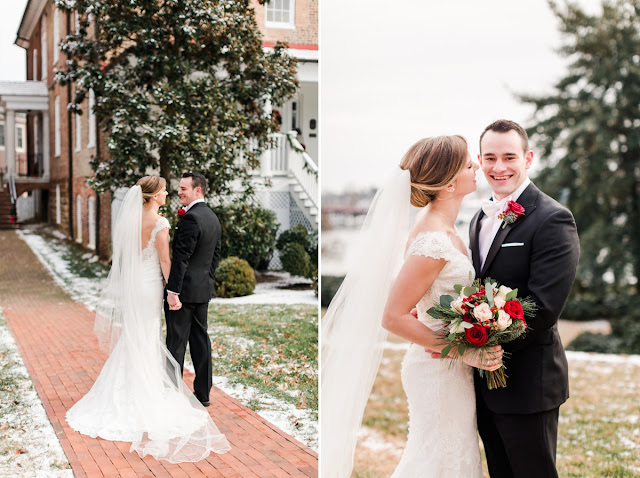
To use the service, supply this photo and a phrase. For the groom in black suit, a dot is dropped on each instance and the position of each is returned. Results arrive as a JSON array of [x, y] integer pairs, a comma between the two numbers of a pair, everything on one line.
[[537, 254], [196, 253]]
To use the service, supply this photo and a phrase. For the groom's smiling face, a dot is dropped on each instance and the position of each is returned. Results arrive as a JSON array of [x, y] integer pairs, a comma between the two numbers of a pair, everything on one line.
[[504, 161]]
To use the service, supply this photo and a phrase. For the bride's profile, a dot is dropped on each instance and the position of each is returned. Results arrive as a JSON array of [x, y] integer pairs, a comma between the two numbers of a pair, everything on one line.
[[139, 396], [397, 268]]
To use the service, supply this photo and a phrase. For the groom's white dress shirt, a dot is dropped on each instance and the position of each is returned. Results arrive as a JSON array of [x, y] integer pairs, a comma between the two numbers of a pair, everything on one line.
[[186, 208], [489, 225], [196, 201]]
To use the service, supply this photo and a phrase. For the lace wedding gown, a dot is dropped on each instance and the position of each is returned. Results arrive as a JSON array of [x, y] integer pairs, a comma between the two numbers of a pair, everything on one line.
[[443, 439], [138, 396]]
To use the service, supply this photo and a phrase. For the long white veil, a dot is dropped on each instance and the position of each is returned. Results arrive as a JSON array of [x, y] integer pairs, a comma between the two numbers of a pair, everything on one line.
[[351, 331], [139, 395], [119, 294]]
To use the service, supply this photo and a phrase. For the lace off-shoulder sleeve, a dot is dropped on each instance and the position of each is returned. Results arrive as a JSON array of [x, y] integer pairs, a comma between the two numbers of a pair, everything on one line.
[[435, 244], [163, 223]]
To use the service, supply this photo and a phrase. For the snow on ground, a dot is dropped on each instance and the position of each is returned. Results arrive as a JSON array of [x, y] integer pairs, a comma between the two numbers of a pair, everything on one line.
[[296, 422], [30, 447], [52, 256], [87, 291]]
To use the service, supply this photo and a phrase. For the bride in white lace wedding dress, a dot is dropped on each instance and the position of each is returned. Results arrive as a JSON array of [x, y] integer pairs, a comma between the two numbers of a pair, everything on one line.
[[139, 396], [390, 276]]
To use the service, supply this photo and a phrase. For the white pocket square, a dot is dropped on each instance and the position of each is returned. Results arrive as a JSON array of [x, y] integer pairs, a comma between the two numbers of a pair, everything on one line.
[[512, 244]]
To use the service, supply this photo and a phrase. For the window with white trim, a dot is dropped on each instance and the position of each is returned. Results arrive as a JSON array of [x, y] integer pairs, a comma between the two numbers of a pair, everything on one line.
[[20, 146], [79, 218], [280, 14], [56, 36], [91, 143], [78, 132], [92, 222], [58, 208], [56, 126], [43, 47], [34, 74]]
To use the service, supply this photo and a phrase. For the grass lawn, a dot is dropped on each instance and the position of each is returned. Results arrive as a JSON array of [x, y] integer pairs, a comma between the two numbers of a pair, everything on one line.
[[273, 348], [599, 429]]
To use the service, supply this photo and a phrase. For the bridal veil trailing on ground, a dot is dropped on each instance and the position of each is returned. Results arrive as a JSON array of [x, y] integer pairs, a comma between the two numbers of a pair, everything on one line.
[[351, 331], [139, 396]]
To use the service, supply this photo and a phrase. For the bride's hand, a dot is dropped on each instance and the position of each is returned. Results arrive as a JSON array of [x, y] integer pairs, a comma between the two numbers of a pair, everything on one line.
[[490, 360]]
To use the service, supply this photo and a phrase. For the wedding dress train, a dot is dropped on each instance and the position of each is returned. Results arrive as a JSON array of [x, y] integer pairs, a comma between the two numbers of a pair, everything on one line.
[[139, 396], [443, 438]]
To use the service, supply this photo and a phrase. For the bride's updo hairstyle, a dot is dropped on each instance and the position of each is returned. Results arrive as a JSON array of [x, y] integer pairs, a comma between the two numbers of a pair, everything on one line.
[[150, 185], [434, 163]]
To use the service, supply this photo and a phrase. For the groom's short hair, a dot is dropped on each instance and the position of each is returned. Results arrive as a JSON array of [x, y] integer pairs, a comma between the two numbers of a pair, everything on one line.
[[504, 126], [197, 181]]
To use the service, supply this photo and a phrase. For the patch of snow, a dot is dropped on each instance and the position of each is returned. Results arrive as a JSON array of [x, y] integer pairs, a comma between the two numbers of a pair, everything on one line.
[[267, 293], [28, 425], [298, 423], [85, 291], [375, 441], [604, 358]]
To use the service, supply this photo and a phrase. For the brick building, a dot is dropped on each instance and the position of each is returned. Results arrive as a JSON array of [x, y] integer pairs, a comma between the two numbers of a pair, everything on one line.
[[61, 143]]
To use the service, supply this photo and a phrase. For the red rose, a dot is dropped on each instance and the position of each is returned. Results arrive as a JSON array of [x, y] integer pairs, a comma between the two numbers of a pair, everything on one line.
[[514, 309], [181, 212], [476, 335], [515, 208], [467, 318]]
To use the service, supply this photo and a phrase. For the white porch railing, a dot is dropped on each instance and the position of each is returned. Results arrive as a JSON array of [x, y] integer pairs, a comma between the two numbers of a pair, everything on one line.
[[304, 170]]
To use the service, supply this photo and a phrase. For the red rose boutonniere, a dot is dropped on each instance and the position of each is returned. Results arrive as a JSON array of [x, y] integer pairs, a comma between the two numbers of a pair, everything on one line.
[[511, 214], [181, 212]]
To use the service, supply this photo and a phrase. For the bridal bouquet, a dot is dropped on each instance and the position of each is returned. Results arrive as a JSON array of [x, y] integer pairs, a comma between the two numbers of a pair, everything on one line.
[[481, 316]]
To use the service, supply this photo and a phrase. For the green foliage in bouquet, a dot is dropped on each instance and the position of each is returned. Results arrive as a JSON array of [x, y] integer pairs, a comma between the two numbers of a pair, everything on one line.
[[482, 316], [234, 278]]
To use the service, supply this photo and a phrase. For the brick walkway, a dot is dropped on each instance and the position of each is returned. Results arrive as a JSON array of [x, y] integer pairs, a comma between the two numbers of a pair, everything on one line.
[[55, 338]]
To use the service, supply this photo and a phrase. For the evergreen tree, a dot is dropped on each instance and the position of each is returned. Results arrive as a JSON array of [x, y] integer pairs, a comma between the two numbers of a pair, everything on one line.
[[588, 133], [179, 85]]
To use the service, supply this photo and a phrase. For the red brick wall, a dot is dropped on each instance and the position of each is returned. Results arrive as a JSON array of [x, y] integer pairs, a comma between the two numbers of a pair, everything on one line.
[[305, 32]]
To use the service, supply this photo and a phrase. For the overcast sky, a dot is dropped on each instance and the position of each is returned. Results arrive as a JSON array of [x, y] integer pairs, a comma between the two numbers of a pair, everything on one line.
[[13, 66], [394, 72]]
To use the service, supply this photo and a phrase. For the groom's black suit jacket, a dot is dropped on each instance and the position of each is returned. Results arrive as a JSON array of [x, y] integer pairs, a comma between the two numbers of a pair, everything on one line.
[[196, 253], [543, 268]]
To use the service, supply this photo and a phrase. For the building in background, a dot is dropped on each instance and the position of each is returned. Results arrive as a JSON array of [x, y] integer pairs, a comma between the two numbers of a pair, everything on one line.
[[58, 144]]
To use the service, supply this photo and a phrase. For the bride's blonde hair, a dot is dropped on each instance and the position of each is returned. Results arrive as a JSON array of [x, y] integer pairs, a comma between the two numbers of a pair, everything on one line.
[[434, 163], [151, 185]]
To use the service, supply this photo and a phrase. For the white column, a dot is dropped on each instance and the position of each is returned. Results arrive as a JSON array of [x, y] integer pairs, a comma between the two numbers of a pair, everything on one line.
[[46, 161], [10, 140]]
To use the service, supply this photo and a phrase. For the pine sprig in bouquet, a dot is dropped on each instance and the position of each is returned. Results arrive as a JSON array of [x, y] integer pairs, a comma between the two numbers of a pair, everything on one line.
[[483, 315]]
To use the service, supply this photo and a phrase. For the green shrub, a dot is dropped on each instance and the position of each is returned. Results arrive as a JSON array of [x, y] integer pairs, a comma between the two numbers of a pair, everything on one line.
[[329, 285], [248, 232], [234, 278], [314, 279], [312, 249], [624, 338], [295, 259], [297, 234]]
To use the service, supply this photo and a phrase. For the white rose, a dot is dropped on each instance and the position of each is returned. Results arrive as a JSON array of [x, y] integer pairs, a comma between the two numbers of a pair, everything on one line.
[[483, 312], [499, 301], [503, 291], [456, 328], [504, 320], [456, 305]]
